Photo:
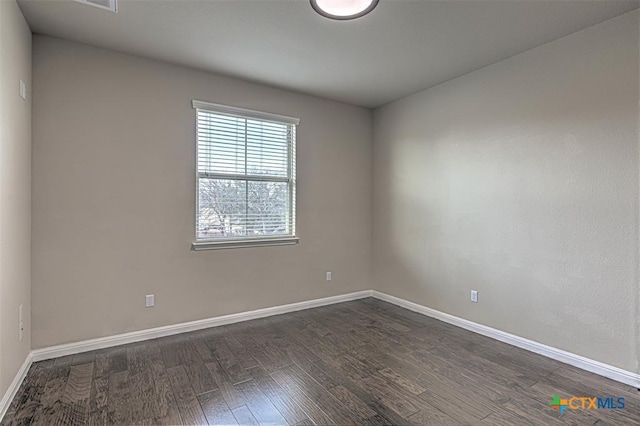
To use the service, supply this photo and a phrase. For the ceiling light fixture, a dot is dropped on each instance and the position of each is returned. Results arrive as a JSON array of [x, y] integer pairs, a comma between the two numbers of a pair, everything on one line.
[[343, 9], [111, 5]]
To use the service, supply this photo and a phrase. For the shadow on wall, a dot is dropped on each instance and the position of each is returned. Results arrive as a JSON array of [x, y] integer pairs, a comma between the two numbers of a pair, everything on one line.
[[528, 207]]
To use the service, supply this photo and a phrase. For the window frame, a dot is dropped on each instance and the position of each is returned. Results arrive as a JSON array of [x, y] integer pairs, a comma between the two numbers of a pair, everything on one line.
[[238, 242]]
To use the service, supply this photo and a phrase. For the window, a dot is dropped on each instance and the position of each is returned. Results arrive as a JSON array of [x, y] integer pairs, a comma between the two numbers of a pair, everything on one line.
[[246, 177]]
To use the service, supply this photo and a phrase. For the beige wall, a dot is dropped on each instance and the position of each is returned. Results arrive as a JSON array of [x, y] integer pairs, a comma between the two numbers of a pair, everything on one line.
[[113, 198], [520, 180], [15, 190]]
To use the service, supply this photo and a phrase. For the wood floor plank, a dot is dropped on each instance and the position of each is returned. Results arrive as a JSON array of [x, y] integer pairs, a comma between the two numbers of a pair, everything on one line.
[[109, 361], [522, 360], [200, 378], [241, 353], [270, 357], [178, 350], [359, 366], [523, 407], [227, 360], [391, 396], [119, 410], [432, 417], [167, 405], [99, 394], [244, 416], [203, 350], [141, 357], [465, 382], [381, 320], [73, 413], [468, 410], [27, 403], [486, 367], [359, 389], [385, 360], [304, 422], [308, 405], [84, 357], [188, 404], [31, 391], [325, 399], [170, 351], [51, 400], [262, 408], [231, 395], [340, 363], [410, 376], [285, 404], [300, 355], [406, 383], [98, 417], [144, 405], [216, 409], [43, 364], [395, 313], [320, 375], [352, 402], [505, 418], [78, 386]]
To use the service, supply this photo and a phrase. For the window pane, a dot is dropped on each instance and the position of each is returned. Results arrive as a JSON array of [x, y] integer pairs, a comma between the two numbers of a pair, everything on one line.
[[222, 208], [221, 143], [267, 148], [268, 208]]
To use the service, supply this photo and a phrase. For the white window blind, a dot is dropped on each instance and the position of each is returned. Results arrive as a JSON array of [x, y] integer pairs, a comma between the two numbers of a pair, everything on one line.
[[245, 174]]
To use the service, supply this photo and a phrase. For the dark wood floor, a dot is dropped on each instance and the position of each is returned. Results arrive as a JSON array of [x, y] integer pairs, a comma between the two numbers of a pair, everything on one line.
[[362, 362]]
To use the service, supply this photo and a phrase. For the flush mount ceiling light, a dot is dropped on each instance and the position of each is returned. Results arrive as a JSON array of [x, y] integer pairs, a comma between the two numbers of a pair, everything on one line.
[[111, 5], [343, 9]]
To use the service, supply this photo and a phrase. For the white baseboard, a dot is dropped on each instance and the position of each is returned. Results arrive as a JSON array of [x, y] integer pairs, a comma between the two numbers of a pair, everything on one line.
[[602, 369], [15, 385], [153, 333]]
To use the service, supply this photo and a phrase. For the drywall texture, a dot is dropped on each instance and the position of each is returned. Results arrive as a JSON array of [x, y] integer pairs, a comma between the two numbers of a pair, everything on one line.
[[114, 198], [15, 191], [520, 180]]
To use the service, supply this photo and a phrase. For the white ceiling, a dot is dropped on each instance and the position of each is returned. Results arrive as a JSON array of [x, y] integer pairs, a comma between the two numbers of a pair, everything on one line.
[[402, 47]]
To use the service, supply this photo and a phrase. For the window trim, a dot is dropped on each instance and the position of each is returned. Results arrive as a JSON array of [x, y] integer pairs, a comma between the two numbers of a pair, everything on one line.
[[224, 243], [238, 243], [226, 109]]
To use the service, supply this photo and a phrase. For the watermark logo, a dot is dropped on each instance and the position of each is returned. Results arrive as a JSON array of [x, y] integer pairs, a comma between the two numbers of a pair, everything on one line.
[[559, 404], [586, 403]]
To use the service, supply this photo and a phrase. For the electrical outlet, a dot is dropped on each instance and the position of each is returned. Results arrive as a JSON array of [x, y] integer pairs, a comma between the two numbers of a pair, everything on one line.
[[20, 323], [328, 276], [474, 296], [23, 90], [149, 301]]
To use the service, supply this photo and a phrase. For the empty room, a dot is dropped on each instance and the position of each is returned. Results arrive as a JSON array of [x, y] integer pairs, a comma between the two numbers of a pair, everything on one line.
[[319, 212]]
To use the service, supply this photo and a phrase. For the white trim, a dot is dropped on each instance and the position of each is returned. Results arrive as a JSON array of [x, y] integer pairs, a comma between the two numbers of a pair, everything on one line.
[[15, 385], [597, 367], [226, 109], [223, 244], [169, 330]]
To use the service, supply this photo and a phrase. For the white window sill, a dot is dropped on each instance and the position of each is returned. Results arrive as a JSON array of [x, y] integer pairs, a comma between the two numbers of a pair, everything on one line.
[[226, 244]]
